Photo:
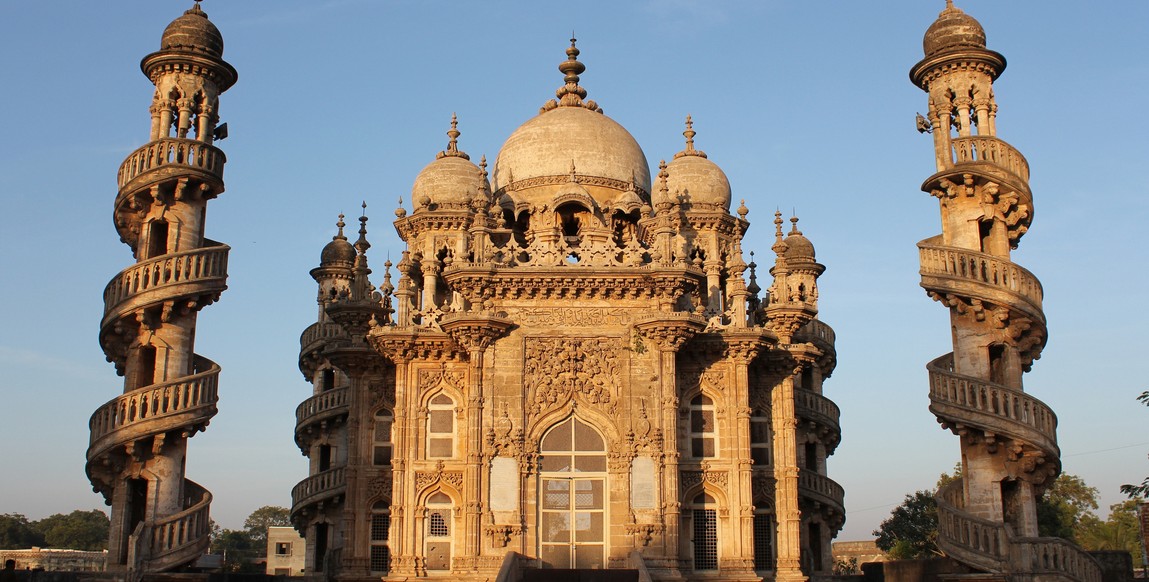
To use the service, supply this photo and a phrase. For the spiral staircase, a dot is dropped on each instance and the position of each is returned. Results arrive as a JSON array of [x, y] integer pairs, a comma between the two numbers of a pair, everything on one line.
[[138, 445]]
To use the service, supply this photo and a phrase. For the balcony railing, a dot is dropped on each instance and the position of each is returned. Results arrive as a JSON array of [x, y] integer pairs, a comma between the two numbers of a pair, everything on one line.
[[816, 331], [983, 269], [320, 331], [818, 408], [319, 486], [990, 406], [821, 487], [1055, 557], [175, 153], [989, 149], [189, 400], [321, 405], [969, 538], [204, 267]]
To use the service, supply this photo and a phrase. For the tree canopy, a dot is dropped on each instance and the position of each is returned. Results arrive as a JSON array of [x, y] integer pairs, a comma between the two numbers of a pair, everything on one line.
[[911, 531], [16, 532], [243, 549], [1142, 490], [79, 530]]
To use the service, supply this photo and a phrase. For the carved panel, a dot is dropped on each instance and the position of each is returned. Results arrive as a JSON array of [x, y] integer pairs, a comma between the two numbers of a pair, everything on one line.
[[430, 378], [561, 370], [578, 316]]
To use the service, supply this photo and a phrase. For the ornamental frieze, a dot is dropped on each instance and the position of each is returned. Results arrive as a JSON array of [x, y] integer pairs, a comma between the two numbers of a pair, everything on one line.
[[431, 378], [575, 316], [689, 479]]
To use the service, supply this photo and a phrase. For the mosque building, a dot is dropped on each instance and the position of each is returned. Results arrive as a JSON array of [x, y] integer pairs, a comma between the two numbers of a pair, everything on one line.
[[572, 366]]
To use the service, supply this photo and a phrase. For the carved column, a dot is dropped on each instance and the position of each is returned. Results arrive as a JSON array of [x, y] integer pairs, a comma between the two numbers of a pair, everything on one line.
[[786, 471], [741, 350]]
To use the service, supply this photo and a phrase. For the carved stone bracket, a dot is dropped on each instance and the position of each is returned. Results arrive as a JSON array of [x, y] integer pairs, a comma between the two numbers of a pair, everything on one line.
[[670, 330]]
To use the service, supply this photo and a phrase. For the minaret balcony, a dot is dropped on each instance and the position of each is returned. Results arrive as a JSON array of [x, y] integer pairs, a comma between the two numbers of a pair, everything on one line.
[[190, 274], [822, 413], [818, 333], [987, 156], [185, 404], [178, 539], [318, 489], [994, 409], [821, 489], [170, 157], [318, 334], [311, 415], [971, 274]]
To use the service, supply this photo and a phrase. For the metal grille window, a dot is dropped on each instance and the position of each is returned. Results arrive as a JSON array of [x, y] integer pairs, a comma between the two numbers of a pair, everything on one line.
[[705, 539], [763, 541], [702, 427], [380, 531], [438, 525]]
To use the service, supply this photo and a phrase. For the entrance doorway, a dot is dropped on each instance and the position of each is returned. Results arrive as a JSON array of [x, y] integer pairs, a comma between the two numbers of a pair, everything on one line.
[[572, 491]]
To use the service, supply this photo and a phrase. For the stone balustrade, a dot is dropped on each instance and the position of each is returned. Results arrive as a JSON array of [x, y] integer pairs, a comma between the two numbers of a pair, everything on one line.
[[321, 331], [175, 153], [821, 487], [322, 405], [994, 272], [316, 487], [989, 149], [997, 408], [191, 400], [203, 267], [818, 408], [984, 542], [179, 537], [1056, 557], [817, 332]]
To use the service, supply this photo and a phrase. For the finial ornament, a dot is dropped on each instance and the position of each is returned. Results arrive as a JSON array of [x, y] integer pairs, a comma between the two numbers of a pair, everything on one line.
[[689, 135], [778, 225], [453, 144], [571, 94], [340, 224], [794, 225]]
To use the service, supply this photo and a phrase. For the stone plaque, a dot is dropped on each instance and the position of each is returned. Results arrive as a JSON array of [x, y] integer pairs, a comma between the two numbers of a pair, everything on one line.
[[504, 484], [642, 495]]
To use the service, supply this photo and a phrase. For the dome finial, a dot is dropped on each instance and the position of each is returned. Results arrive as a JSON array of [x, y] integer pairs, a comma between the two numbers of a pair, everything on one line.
[[689, 135], [453, 144], [362, 245], [778, 225], [340, 224], [571, 94], [794, 224]]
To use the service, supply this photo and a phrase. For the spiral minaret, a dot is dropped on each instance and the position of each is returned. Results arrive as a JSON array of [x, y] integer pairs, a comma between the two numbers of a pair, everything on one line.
[[1009, 453], [136, 456]]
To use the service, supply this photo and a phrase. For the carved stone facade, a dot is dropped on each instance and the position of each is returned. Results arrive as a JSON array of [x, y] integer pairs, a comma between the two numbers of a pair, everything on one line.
[[1009, 453], [139, 440], [573, 364]]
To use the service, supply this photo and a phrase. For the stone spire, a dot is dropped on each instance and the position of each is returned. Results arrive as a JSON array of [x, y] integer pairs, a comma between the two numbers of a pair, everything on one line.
[[689, 135], [571, 94], [453, 145]]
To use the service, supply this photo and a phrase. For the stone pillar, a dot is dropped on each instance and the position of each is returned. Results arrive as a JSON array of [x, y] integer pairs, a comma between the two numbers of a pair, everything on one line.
[[785, 421]]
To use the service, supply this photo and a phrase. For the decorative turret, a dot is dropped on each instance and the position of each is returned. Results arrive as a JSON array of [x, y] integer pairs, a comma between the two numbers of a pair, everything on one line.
[[1009, 446], [138, 447]]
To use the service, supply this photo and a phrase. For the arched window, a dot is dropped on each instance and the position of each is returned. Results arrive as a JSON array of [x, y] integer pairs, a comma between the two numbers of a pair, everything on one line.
[[703, 438], [380, 531], [438, 541], [441, 427], [572, 492], [381, 453], [705, 533]]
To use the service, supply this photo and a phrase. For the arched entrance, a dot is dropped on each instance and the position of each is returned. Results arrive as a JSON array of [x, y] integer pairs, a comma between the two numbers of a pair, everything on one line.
[[572, 497]]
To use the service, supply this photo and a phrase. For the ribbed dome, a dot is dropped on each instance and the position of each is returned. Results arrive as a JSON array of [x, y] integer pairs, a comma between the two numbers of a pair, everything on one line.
[[695, 180], [338, 250], [193, 32], [799, 247], [548, 144], [953, 29]]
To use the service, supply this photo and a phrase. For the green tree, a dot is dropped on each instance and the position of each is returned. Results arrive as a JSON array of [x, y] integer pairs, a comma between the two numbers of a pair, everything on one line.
[[1062, 507], [1142, 490], [239, 552], [79, 530], [911, 531], [257, 523], [16, 532], [1119, 532]]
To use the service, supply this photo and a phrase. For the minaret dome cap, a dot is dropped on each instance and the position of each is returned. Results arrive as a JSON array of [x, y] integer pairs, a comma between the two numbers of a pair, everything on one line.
[[954, 29], [193, 32]]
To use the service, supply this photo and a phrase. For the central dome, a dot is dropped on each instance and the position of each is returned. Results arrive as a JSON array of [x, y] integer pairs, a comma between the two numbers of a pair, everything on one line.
[[570, 140]]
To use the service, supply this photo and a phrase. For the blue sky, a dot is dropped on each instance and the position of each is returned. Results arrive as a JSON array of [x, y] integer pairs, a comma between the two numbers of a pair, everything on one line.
[[806, 105]]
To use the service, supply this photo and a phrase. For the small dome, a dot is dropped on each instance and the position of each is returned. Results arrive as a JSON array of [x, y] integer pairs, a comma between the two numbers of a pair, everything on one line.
[[798, 247], [953, 29], [452, 179], [338, 250], [193, 32], [694, 180]]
